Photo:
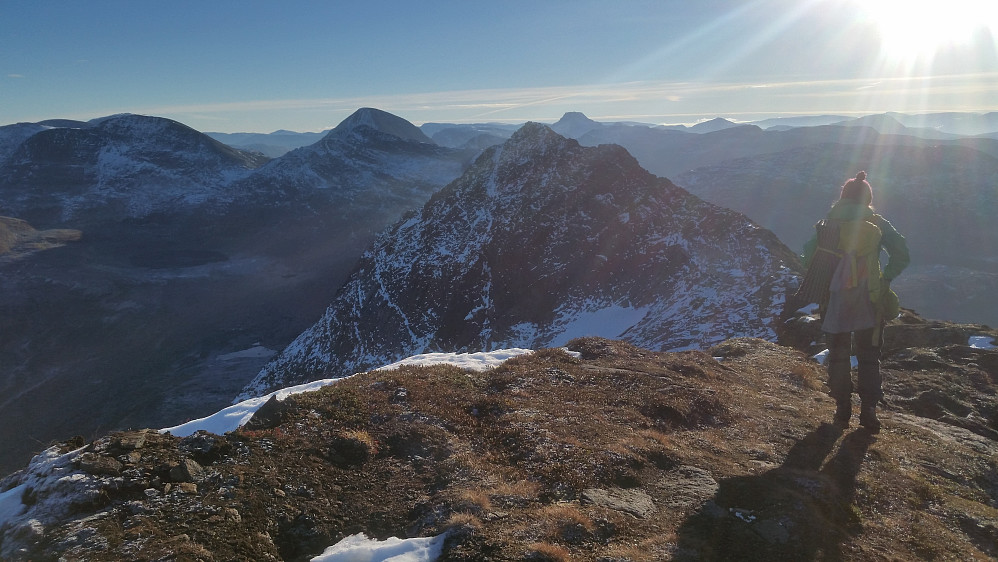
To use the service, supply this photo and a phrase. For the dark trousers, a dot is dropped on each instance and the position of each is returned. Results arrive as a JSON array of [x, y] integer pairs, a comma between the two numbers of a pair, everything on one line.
[[869, 381]]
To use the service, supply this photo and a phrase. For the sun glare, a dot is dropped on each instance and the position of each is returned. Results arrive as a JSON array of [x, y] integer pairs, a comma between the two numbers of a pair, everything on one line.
[[913, 28]]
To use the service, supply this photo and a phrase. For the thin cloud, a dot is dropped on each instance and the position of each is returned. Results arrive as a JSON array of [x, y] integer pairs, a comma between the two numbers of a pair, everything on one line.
[[15, 76], [501, 100], [664, 100]]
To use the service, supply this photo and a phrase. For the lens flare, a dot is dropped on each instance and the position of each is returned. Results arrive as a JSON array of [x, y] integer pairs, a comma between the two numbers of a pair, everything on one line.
[[918, 28]]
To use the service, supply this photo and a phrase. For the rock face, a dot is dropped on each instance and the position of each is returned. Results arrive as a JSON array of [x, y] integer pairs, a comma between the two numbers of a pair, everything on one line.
[[539, 241], [191, 255], [717, 455]]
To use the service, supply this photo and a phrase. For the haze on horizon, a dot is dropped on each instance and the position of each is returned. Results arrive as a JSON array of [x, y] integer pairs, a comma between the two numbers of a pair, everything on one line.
[[258, 67]]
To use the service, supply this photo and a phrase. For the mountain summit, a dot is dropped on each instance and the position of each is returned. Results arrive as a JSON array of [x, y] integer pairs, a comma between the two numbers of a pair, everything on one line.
[[381, 121], [574, 124], [539, 241], [118, 166]]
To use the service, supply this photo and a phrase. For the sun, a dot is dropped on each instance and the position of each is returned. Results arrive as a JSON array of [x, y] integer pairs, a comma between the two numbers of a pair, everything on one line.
[[917, 28]]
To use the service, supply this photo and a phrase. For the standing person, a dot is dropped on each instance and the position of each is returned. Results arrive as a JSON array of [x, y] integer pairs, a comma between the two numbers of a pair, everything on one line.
[[859, 301]]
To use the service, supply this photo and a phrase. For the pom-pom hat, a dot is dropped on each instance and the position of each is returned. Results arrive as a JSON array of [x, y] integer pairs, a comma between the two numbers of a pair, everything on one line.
[[858, 189]]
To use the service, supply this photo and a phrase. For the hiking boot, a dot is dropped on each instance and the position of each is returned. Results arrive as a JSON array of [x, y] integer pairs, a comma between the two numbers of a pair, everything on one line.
[[843, 411], [868, 419]]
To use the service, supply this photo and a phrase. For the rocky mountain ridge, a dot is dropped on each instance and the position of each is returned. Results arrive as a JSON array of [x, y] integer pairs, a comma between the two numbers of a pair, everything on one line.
[[605, 452], [542, 239]]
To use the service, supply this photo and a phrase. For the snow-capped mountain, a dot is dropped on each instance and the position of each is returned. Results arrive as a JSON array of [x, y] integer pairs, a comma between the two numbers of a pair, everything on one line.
[[193, 267], [11, 137], [539, 241], [372, 160], [123, 165]]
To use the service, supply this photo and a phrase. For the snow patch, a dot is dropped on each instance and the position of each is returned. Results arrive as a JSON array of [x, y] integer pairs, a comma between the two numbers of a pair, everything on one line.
[[359, 548], [610, 322], [981, 342], [472, 361], [822, 357], [10, 503]]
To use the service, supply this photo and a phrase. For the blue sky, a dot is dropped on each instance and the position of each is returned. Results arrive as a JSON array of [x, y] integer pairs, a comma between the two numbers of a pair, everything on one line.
[[261, 66]]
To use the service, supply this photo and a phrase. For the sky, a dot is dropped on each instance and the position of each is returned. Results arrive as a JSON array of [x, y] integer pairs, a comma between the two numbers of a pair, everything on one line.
[[255, 66]]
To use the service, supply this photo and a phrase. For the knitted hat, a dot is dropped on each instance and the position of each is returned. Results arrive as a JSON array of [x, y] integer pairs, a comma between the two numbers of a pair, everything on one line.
[[858, 189]]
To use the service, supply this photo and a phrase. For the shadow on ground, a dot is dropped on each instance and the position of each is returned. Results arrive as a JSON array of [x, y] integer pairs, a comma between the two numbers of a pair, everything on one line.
[[801, 510]]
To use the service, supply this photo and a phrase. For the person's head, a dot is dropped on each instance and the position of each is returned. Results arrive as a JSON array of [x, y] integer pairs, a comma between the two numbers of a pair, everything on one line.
[[858, 190]]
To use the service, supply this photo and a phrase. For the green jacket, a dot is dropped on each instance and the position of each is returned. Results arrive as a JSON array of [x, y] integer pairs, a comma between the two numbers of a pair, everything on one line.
[[891, 240]]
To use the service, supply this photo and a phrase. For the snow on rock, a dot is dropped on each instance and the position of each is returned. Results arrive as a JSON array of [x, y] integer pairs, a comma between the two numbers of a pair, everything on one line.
[[54, 486]]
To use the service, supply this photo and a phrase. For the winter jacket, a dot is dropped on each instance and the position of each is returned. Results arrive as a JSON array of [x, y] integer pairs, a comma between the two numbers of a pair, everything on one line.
[[846, 310]]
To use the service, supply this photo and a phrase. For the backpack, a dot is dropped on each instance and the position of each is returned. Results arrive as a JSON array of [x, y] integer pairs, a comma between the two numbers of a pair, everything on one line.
[[846, 250], [818, 277]]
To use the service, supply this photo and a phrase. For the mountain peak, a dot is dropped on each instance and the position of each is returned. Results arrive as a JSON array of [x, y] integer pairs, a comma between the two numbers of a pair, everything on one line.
[[574, 124], [381, 121], [541, 240], [715, 124], [532, 132]]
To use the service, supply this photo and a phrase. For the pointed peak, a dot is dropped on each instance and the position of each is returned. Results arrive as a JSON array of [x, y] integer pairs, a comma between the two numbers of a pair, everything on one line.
[[533, 132], [380, 121]]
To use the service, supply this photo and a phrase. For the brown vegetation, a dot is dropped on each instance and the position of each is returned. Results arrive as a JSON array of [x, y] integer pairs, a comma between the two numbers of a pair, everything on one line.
[[622, 454]]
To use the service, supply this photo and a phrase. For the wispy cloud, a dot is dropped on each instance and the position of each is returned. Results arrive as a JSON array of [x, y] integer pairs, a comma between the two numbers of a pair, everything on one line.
[[656, 100], [15, 76]]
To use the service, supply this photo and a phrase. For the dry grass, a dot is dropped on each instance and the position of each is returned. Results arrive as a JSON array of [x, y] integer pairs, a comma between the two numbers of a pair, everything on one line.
[[502, 458], [547, 552]]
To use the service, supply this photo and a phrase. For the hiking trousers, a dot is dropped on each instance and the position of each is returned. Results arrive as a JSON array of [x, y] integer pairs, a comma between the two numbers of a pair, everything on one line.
[[868, 378]]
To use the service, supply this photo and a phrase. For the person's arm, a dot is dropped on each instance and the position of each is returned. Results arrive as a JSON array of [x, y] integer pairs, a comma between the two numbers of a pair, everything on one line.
[[896, 247]]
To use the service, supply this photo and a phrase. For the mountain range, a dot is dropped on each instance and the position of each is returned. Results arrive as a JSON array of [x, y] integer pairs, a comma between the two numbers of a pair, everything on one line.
[[542, 240], [196, 263]]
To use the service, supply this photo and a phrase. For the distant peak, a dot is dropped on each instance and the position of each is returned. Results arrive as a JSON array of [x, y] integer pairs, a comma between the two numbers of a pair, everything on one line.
[[575, 124], [381, 121], [575, 116], [715, 124]]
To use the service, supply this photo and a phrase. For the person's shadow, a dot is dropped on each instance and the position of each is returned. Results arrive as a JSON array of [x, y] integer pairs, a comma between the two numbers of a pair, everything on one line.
[[798, 511]]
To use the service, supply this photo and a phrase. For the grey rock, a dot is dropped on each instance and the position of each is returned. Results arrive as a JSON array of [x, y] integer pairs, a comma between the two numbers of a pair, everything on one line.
[[687, 487], [633, 501]]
